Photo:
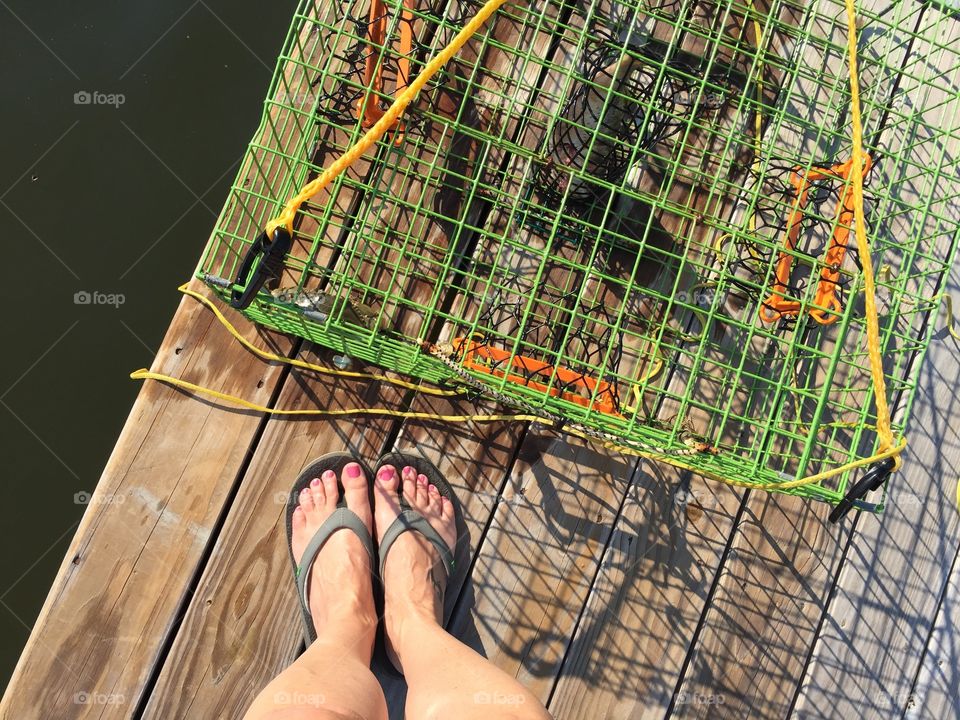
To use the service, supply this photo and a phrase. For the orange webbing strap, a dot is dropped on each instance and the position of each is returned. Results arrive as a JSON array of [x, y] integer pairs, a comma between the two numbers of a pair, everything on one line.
[[826, 301], [476, 356], [369, 109]]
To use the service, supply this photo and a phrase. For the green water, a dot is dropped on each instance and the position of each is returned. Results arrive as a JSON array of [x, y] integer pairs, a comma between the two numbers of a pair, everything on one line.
[[114, 196]]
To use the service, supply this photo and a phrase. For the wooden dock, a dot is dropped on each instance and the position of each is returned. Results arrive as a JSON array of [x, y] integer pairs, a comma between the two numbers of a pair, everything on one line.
[[611, 587]]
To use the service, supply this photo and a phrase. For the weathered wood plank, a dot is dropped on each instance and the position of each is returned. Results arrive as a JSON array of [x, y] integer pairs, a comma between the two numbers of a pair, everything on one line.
[[242, 625], [866, 656], [476, 458], [867, 651], [640, 618], [629, 650], [128, 569], [769, 601], [538, 559], [934, 694]]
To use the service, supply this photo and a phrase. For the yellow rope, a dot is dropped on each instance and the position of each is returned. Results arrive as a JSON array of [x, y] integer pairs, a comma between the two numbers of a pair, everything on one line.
[[951, 321], [144, 374], [393, 113], [273, 357], [884, 431], [758, 117]]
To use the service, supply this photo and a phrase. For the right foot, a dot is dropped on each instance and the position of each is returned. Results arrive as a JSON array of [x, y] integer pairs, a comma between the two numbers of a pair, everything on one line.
[[340, 585], [414, 577]]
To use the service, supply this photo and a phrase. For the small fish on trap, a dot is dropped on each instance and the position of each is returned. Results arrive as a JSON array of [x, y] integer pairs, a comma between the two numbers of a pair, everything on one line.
[[633, 219]]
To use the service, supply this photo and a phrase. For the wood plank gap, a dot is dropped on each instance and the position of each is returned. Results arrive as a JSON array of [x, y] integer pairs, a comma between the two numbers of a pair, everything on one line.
[[708, 602]]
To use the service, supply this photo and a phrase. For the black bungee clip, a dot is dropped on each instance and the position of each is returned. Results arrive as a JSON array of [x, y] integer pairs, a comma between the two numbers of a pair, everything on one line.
[[263, 261], [875, 477]]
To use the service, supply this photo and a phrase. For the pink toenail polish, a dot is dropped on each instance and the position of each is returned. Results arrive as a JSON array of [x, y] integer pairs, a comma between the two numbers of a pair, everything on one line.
[[329, 475], [354, 470], [315, 482], [386, 473]]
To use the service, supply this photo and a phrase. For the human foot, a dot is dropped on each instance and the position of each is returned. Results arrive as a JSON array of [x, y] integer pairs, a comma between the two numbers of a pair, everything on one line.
[[340, 588], [414, 577]]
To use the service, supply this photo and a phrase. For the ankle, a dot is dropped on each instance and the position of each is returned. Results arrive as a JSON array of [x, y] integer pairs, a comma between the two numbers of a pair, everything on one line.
[[351, 609], [405, 621]]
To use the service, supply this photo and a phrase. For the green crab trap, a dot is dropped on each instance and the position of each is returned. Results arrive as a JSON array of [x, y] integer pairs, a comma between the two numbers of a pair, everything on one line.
[[633, 219]]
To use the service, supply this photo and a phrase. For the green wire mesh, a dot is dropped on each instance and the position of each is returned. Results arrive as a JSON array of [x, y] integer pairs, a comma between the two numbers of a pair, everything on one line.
[[586, 209]]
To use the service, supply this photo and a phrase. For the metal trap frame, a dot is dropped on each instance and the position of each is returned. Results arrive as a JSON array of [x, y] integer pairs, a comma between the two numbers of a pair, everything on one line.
[[630, 218]]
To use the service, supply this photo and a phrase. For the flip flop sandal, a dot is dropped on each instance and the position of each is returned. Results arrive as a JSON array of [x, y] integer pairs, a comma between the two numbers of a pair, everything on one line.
[[342, 518], [409, 520]]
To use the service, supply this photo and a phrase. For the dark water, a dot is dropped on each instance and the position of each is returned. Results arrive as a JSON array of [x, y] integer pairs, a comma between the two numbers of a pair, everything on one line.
[[116, 196]]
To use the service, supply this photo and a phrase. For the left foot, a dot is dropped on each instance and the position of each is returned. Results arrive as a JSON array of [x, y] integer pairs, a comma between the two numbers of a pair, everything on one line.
[[340, 588]]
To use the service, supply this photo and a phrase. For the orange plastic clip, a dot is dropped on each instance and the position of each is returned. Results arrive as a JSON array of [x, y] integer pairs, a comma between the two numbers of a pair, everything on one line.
[[826, 300], [484, 358], [369, 108]]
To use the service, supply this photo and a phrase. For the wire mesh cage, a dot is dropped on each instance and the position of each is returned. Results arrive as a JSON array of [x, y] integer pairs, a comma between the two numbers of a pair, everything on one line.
[[629, 217]]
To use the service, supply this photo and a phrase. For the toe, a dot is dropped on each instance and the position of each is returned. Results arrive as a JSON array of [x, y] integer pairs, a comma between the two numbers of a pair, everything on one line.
[[423, 497], [306, 500], [318, 492], [355, 491], [299, 520], [410, 485], [388, 478], [386, 500], [330, 492]]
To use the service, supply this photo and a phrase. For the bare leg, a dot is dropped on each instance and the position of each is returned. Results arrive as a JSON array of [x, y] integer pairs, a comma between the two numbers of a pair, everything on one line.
[[446, 679], [332, 679]]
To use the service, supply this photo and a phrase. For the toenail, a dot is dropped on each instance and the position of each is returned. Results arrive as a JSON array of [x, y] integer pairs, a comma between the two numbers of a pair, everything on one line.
[[407, 470], [329, 475], [386, 473], [315, 482], [304, 491], [354, 470], [422, 479]]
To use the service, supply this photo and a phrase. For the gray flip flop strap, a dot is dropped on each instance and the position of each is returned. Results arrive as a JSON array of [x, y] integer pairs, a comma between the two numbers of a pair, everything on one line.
[[342, 518], [410, 520]]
